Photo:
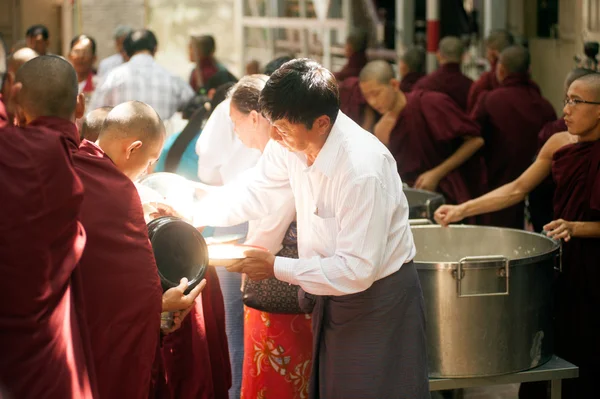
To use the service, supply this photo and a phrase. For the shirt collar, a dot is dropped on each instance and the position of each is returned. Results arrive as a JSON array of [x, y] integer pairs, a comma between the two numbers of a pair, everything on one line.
[[66, 128], [141, 59], [327, 157]]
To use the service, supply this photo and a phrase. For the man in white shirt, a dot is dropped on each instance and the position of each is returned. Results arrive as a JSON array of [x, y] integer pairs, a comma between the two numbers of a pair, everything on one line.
[[109, 63], [354, 240], [142, 79]]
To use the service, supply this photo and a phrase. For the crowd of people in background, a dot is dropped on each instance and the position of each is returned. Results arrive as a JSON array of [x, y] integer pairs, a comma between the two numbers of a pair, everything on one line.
[[89, 129]]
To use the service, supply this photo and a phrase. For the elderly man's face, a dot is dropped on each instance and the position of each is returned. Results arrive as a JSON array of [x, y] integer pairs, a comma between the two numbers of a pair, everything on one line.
[[82, 57], [38, 43]]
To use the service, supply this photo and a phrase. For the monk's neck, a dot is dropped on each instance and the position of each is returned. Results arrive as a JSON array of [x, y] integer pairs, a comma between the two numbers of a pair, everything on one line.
[[590, 137], [399, 104]]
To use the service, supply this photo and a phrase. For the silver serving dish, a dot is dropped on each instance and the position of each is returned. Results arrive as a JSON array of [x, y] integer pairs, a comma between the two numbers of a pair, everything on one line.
[[488, 296]]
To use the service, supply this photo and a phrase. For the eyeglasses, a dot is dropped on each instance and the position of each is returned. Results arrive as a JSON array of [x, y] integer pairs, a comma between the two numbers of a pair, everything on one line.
[[574, 101]]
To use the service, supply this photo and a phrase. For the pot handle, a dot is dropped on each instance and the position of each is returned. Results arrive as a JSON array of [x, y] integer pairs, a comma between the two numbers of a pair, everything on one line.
[[476, 259], [560, 245], [419, 222]]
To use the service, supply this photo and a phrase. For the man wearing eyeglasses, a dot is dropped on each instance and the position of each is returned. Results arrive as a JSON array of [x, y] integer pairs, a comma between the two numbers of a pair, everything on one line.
[[511, 117], [573, 159]]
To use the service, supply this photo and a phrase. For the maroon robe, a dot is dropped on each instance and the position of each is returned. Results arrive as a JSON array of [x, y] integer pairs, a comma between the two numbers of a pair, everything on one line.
[[428, 131], [576, 171], [352, 101], [450, 80], [43, 339], [208, 68], [486, 82], [355, 64], [409, 80], [196, 357], [123, 296], [540, 205], [511, 117]]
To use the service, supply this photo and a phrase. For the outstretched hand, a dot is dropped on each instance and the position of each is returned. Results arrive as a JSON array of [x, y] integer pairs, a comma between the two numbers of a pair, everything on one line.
[[174, 299], [259, 264], [447, 214], [559, 229]]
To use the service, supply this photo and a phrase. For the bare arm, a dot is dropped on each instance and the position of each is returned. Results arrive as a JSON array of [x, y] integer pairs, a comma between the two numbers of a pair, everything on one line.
[[509, 194], [430, 179], [369, 119], [384, 127]]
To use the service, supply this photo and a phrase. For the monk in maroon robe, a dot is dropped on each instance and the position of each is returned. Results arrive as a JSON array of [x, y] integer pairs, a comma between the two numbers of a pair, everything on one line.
[[118, 258], [448, 79], [573, 159], [13, 63], [411, 67], [496, 42], [430, 137], [356, 47], [354, 105], [44, 345], [511, 117]]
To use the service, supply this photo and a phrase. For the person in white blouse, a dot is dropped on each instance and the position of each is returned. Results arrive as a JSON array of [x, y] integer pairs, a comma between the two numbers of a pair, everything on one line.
[[354, 240]]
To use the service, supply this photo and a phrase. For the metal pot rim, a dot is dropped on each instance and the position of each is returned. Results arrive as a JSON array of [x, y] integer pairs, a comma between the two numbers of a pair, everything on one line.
[[522, 261]]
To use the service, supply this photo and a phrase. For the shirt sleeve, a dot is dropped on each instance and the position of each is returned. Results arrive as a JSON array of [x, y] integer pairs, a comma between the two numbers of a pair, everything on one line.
[[366, 211], [445, 119], [214, 143], [259, 192]]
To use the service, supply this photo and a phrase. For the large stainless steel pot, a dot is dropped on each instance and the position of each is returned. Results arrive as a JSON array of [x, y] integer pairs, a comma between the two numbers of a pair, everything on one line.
[[422, 204], [488, 298]]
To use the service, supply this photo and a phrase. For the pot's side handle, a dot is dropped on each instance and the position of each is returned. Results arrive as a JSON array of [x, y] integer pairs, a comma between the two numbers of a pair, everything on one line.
[[479, 259]]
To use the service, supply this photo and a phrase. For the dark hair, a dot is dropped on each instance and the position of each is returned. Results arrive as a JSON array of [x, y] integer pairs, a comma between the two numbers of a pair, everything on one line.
[[79, 38], [220, 78], [205, 45], [275, 64], [300, 91], [38, 30], [140, 40], [246, 94]]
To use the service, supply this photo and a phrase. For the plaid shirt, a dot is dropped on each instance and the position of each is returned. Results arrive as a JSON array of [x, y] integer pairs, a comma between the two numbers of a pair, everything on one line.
[[142, 79]]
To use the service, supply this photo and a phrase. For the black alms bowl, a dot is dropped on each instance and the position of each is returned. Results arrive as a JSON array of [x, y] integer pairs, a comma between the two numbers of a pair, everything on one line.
[[180, 251]]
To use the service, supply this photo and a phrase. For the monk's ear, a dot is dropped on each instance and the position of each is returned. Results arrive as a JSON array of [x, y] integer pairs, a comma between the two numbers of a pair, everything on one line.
[[80, 107], [395, 83], [136, 145]]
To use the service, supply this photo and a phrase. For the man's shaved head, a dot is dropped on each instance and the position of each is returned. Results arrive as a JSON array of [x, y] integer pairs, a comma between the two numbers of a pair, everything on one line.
[[17, 59], [132, 136], [451, 49], [499, 40], [576, 74], [50, 88], [379, 71], [414, 59], [515, 59], [591, 82], [93, 123]]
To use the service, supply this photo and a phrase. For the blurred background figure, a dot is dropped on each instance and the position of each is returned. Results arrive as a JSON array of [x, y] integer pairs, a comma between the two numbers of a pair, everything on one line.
[[109, 63]]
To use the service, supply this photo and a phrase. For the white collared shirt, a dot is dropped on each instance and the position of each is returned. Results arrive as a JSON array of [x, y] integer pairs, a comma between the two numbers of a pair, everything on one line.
[[142, 79], [223, 158], [352, 213]]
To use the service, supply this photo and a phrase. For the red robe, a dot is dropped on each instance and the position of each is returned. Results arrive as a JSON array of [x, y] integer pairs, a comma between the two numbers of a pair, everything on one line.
[[123, 296], [540, 199], [208, 68], [352, 101], [427, 132], [196, 357], [448, 79], [409, 80], [511, 117], [486, 82], [355, 64], [576, 171], [43, 339]]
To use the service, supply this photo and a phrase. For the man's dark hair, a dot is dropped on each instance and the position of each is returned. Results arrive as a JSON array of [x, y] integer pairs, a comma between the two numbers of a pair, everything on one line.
[[78, 38], [300, 91], [274, 65], [140, 40], [38, 30], [205, 45]]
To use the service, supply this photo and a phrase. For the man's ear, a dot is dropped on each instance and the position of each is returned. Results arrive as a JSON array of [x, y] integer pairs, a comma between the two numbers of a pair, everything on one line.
[[395, 83], [323, 123], [136, 145], [80, 107]]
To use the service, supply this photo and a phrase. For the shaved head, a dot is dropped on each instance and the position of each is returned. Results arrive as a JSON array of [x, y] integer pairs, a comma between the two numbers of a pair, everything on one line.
[[591, 82], [93, 123], [50, 88], [515, 59], [379, 71], [451, 49], [576, 74], [17, 59], [132, 136], [499, 40], [414, 58]]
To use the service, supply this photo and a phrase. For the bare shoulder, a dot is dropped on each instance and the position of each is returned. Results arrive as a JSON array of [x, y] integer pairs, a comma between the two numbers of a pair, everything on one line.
[[555, 143]]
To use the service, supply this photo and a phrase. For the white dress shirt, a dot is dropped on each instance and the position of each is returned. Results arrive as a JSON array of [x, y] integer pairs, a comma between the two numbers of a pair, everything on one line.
[[142, 79], [222, 159], [108, 64], [352, 213]]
